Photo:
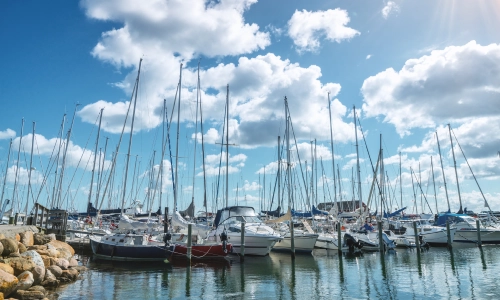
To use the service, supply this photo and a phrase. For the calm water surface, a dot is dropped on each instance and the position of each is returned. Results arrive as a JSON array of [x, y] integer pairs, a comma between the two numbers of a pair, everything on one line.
[[467, 273]]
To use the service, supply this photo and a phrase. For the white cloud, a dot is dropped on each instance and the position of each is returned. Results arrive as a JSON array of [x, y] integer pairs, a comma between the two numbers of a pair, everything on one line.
[[455, 84], [368, 56], [390, 8], [306, 28], [7, 134]]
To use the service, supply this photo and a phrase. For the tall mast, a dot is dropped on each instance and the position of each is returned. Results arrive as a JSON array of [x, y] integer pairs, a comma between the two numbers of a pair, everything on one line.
[[227, 146], [434, 184], [5, 177], [176, 185], [382, 181], [331, 148], [400, 181], [63, 165], [31, 168], [95, 157], [442, 169], [279, 173], [195, 140], [357, 162], [316, 174], [131, 134], [456, 174], [14, 192], [162, 150], [288, 164], [54, 189], [202, 147]]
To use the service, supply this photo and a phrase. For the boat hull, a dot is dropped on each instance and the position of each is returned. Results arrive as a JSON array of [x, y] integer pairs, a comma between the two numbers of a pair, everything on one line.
[[117, 252], [199, 252], [470, 236], [303, 243], [254, 245]]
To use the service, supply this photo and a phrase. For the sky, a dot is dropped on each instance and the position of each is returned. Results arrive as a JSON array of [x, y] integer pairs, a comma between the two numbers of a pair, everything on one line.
[[409, 68]]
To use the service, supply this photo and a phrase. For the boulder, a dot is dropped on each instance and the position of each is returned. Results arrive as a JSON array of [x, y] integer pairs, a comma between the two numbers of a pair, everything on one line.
[[26, 280], [21, 294], [8, 283], [35, 257], [64, 253], [14, 254], [59, 244], [73, 262], [38, 274], [2, 236], [27, 238], [20, 264], [1, 248], [80, 268], [57, 271], [48, 261], [62, 263], [72, 274], [17, 237], [42, 239], [7, 268], [50, 280], [9, 246], [37, 247], [21, 247]]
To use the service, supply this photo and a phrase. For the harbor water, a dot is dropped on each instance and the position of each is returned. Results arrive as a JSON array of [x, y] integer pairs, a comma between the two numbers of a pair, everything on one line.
[[437, 273]]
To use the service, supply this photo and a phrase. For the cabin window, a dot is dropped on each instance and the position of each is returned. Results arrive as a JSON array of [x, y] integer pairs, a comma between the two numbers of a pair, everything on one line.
[[121, 241], [113, 240]]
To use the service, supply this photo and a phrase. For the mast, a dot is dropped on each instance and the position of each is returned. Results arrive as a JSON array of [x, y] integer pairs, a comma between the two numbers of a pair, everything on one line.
[[279, 173], [434, 184], [400, 181], [442, 169], [195, 142], [331, 148], [162, 150], [357, 163], [177, 142], [131, 134], [460, 211], [14, 192], [31, 168], [316, 175], [54, 189], [63, 166], [95, 157], [382, 181], [227, 146], [202, 147], [5, 177]]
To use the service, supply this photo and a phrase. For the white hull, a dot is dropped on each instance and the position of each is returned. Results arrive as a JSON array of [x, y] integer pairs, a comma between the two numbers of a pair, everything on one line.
[[488, 236], [327, 242], [302, 243], [438, 237], [254, 244]]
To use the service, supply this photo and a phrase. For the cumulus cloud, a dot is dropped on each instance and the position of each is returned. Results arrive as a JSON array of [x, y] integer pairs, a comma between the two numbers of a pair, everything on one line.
[[456, 84], [7, 134], [307, 28], [390, 8]]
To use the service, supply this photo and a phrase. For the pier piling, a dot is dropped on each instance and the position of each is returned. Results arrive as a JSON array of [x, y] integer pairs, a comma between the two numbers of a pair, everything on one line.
[[478, 228], [380, 240], [189, 242], [242, 247], [417, 241], [448, 234], [339, 238]]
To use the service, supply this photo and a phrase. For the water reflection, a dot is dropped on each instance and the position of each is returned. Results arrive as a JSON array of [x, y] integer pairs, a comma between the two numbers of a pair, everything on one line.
[[434, 274]]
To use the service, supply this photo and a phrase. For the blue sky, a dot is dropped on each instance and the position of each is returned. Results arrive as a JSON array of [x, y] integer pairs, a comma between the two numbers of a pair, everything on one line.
[[409, 67]]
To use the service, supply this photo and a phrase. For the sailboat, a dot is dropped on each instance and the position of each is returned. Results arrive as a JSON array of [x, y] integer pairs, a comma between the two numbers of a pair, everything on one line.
[[129, 246]]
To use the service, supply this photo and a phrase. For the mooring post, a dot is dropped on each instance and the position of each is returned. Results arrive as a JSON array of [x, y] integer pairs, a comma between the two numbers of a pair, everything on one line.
[[478, 228], [292, 239], [339, 238], [448, 234], [417, 241], [380, 240], [242, 246], [165, 221], [189, 242]]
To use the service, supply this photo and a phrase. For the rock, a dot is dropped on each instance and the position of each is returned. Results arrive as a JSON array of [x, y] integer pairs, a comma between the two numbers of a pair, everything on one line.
[[64, 253], [27, 238], [2, 236], [35, 257], [17, 237], [59, 244], [72, 274], [21, 247], [50, 280], [9, 246], [14, 254], [48, 261], [8, 283], [38, 288], [80, 268], [57, 271], [41, 239], [1, 248], [20, 264], [38, 274], [52, 251], [37, 247], [29, 295], [7, 268], [42, 252], [73, 262], [26, 280], [62, 263]]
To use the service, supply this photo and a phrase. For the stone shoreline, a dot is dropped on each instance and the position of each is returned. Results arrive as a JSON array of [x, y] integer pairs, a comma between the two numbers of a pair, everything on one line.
[[32, 263]]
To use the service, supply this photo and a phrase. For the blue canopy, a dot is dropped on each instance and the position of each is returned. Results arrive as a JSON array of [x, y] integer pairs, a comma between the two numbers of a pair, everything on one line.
[[386, 215], [306, 214], [452, 217], [316, 211]]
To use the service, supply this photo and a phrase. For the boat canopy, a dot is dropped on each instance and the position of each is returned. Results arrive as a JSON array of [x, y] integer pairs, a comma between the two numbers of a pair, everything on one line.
[[230, 211], [386, 215], [452, 217]]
